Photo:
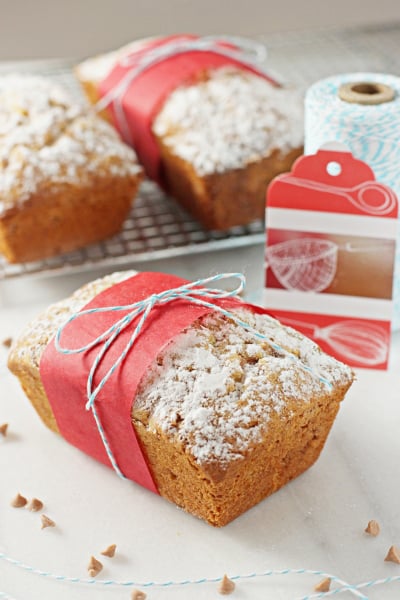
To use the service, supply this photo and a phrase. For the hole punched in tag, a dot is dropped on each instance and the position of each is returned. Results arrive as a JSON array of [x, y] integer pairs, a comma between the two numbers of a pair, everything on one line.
[[333, 168], [367, 93]]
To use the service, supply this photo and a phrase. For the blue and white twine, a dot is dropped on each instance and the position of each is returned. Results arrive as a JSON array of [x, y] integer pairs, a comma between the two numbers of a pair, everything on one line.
[[342, 586], [194, 293], [4, 596], [372, 133]]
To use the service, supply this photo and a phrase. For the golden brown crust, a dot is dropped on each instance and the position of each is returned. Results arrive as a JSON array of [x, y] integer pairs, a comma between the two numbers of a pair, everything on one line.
[[292, 444], [26, 351], [29, 378], [91, 91], [66, 178], [224, 200], [66, 217]]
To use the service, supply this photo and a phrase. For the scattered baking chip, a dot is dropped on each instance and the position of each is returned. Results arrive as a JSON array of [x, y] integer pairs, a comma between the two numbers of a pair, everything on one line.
[[109, 551], [7, 342], [324, 585], [138, 595], [35, 505], [47, 522], [393, 555], [19, 501], [373, 528], [226, 586], [94, 567], [3, 429]]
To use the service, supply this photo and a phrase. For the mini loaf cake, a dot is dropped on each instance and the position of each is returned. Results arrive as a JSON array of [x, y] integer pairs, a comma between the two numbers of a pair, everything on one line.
[[221, 138], [223, 419], [66, 178]]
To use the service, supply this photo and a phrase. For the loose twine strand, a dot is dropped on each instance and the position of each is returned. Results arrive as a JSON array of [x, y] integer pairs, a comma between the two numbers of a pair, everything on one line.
[[343, 586]]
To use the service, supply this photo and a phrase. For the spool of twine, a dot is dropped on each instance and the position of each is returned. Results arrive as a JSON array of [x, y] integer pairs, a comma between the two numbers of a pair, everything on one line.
[[362, 112]]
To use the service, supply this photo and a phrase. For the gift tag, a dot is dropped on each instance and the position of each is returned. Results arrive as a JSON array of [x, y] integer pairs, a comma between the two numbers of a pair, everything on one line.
[[330, 255]]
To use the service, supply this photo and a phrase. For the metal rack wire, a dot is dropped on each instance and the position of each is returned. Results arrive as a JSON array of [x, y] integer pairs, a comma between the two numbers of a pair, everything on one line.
[[157, 227]]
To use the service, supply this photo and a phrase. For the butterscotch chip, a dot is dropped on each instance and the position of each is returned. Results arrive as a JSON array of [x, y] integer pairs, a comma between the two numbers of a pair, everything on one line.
[[3, 429], [35, 505], [393, 555], [94, 567], [138, 595], [109, 551], [47, 522], [226, 586], [373, 528], [324, 585], [19, 501], [7, 342]]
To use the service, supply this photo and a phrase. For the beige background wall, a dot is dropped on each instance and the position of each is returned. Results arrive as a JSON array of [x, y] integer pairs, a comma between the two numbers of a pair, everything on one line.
[[54, 28]]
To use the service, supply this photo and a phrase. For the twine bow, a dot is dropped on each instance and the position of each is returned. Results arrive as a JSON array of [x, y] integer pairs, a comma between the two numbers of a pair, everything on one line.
[[195, 293], [249, 52]]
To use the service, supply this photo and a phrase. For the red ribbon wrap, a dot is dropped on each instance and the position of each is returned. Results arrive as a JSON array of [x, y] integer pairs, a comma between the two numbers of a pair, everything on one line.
[[64, 376], [148, 91]]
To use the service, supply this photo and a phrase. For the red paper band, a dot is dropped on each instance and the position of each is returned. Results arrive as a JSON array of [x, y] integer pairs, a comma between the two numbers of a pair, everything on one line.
[[64, 377], [146, 94]]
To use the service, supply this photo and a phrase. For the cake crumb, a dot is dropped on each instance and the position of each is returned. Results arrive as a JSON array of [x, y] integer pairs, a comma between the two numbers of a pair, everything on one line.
[[3, 429], [7, 342], [94, 567], [109, 551], [226, 586], [393, 555], [47, 522], [373, 528], [138, 595], [35, 505], [324, 585], [19, 501]]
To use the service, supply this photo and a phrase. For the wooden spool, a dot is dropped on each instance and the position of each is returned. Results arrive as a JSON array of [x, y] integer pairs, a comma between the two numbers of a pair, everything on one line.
[[366, 92]]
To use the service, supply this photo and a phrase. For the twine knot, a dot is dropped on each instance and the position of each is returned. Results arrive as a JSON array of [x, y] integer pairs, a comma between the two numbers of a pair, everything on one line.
[[194, 292]]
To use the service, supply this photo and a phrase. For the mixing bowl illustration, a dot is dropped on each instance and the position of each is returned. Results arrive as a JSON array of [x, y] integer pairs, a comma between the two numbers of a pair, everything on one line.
[[306, 264], [309, 264]]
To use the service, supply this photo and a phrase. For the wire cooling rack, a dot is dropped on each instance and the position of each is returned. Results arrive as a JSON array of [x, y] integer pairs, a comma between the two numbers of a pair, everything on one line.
[[157, 227]]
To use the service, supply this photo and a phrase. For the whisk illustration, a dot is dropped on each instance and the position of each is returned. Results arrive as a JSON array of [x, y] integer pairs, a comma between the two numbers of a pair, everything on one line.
[[356, 341], [308, 264]]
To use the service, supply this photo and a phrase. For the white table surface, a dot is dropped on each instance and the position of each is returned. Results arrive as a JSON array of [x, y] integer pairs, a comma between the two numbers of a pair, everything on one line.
[[316, 522]]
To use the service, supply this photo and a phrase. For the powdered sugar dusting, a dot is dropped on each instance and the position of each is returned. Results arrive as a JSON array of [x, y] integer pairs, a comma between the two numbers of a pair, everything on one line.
[[47, 138], [232, 119], [31, 344], [217, 385]]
